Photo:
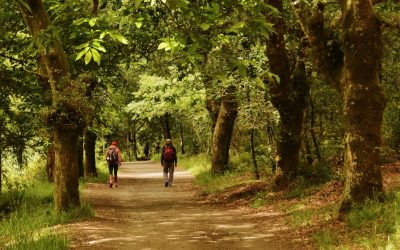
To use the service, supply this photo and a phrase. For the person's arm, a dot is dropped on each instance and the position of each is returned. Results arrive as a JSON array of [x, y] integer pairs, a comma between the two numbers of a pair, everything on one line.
[[119, 157]]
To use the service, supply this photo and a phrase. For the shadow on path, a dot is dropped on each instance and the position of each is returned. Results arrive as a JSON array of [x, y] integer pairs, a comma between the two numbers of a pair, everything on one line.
[[143, 214]]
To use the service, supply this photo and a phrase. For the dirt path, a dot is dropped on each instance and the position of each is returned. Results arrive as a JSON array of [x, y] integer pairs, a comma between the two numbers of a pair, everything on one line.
[[142, 214]]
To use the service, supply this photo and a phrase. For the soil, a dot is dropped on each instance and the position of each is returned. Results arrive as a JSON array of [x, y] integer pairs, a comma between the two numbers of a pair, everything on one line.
[[143, 214]]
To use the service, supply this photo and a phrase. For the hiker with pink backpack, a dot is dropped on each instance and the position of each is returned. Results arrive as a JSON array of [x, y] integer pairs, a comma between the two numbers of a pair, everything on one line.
[[168, 162]]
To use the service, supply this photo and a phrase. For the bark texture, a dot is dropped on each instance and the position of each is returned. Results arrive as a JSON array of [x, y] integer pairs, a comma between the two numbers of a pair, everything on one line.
[[66, 172], [223, 132], [90, 153], [65, 133], [50, 164], [364, 102], [289, 97], [354, 71]]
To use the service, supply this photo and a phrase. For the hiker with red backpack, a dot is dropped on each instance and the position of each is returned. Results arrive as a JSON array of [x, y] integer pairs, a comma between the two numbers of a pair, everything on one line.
[[168, 162], [114, 160]]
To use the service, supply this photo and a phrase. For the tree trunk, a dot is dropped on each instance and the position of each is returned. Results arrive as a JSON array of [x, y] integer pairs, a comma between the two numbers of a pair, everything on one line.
[[223, 132], [355, 73], [133, 139], [90, 153], [364, 102], [80, 156], [252, 131], [66, 177], [65, 130], [165, 126], [253, 154], [50, 165], [182, 143], [289, 97], [1, 169], [312, 128]]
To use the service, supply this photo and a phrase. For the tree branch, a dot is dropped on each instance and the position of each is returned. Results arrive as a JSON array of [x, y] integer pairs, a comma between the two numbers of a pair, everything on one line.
[[326, 51]]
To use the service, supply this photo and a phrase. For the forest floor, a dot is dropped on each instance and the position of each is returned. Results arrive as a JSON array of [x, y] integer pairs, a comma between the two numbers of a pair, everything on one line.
[[143, 214]]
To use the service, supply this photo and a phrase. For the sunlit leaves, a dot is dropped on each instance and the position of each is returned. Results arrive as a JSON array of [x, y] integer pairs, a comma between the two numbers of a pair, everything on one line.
[[170, 44], [90, 51]]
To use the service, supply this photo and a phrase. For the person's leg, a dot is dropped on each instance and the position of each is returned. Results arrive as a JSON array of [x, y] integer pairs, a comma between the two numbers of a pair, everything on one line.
[[110, 176], [165, 173], [115, 175], [171, 173]]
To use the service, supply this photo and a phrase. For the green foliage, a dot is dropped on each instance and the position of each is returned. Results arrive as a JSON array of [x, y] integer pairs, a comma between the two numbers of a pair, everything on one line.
[[30, 225], [326, 240], [199, 166], [371, 226]]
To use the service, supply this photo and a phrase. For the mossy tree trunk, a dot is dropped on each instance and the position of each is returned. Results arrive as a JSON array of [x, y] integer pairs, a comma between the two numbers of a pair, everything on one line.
[[364, 102], [66, 175], [352, 65], [223, 131], [90, 153], [1, 169], [50, 164], [289, 97], [65, 133]]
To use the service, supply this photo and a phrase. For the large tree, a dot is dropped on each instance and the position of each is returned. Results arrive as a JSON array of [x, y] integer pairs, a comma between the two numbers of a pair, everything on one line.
[[352, 65], [288, 92], [62, 117]]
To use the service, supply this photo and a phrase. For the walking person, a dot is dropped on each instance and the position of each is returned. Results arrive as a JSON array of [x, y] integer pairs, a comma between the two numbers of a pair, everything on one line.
[[114, 160], [169, 161], [146, 151]]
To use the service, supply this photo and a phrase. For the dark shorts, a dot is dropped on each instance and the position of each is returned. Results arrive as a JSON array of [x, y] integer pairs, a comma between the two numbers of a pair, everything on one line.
[[113, 167]]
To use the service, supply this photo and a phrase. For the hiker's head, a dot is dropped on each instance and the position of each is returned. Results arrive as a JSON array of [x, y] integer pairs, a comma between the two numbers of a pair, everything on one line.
[[115, 143], [168, 141]]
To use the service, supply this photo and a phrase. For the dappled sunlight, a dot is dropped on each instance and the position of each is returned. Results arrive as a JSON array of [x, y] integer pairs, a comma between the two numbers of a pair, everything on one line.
[[142, 213]]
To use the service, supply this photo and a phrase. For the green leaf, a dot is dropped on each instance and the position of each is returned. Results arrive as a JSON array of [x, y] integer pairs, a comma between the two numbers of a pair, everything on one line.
[[120, 38], [103, 34], [97, 46], [277, 79], [81, 46], [237, 27], [92, 22], [96, 56], [138, 24], [205, 26], [80, 54], [23, 3], [88, 57], [163, 45], [137, 3]]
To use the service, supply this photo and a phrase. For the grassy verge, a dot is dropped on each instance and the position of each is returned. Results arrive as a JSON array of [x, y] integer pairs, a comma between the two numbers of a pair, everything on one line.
[[27, 216], [31, 224], [200, 166], [376, 225]]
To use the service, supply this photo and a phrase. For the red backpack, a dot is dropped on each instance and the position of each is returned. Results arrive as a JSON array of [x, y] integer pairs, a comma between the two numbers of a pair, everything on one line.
[[169, 153]]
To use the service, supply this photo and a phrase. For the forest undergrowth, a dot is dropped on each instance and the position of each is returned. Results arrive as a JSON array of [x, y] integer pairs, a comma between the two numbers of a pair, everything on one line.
[[310, 208], [28, 219]]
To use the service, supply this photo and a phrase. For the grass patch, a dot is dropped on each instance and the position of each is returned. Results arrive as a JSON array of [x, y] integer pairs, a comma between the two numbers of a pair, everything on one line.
[[31, 224], [200, 167], [376, 225], [102, 174], [326, 239], [260, 199]]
